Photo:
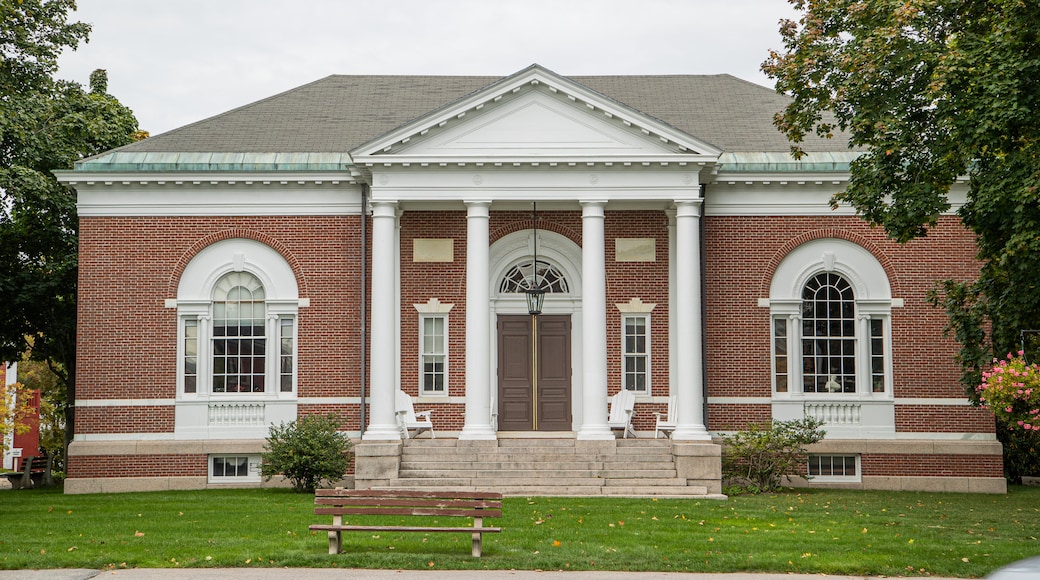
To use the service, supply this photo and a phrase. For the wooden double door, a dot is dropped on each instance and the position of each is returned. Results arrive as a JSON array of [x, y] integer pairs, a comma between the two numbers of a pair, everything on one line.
[[534, 373]]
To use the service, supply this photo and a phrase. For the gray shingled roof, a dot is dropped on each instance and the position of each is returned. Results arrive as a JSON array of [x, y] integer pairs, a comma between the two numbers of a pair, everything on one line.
[[337, 113]]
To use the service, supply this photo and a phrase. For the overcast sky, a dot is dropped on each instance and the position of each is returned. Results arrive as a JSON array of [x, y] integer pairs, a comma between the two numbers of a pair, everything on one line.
[[178, 61]]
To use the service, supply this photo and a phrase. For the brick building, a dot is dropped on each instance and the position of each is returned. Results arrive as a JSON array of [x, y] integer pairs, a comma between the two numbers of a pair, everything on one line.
[[228, 282]]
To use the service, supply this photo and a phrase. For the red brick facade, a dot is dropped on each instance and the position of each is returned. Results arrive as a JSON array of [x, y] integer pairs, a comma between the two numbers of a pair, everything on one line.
[[127, 335]]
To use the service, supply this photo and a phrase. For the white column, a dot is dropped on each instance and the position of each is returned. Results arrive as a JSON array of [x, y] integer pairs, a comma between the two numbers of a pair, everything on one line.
[[594, 323], [690, 383], [382, 423], [478, 323]]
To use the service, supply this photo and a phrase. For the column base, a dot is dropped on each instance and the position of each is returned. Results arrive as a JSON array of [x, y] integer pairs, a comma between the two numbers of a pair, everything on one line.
[[595, 433], [690, 433], [477, 433], [382, 433]]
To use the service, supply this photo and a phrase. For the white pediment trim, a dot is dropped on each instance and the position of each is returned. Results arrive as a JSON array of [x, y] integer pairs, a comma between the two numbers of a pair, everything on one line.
[[488, 125]]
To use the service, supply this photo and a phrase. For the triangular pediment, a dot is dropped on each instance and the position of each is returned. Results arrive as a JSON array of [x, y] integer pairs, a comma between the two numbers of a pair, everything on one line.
[[534, 114], [538, 124]]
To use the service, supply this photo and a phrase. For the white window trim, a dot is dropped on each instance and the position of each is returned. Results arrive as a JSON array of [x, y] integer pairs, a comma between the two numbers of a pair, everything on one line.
[[857, 478], [433, 308], [252, 460], [636, 308], [872, 297], [194, 301]]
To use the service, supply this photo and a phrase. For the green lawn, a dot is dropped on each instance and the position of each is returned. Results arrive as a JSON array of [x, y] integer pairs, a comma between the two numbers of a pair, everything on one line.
[[833, 532]]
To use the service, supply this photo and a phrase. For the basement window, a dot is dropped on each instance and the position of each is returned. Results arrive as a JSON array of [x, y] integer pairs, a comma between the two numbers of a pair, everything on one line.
[[834, 468], [234, 469]]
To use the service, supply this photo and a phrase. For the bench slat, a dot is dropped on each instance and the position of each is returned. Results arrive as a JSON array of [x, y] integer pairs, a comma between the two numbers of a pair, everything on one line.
[[406, 511], [334, 528], [406, 493], [388, 502]]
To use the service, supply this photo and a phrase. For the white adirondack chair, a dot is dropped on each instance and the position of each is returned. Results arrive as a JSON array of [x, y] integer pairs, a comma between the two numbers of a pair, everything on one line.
[[622, 408], [408, 420], [666, 423]]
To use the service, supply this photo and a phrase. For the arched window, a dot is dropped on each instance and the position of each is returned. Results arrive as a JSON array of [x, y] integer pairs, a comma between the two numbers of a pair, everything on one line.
[[518, 279], [828, 335], [831, 308], [237, 302], [239, 334]]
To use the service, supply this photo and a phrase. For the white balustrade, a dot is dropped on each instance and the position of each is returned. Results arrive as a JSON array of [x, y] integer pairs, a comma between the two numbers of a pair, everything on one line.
[[235, 414], [835, 413]]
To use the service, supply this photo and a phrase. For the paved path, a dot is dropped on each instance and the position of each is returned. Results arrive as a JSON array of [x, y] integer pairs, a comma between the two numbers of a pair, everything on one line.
[[351, 574]]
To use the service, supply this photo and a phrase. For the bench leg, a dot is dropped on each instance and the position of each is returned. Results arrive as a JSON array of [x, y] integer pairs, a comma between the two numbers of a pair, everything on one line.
[[335, 542], [477, 544]]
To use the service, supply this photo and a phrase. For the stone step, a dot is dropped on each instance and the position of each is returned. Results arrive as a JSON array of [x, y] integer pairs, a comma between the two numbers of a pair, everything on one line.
[[536, 460], [414, 464], [659, 491], [447, 454], [539, 466], [667, 475], [649, 481], [559, 490], [491, 482]]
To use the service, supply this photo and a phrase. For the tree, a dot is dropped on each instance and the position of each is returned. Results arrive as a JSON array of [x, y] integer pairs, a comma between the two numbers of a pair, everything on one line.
[[45, 125], [14, 411], [933, 91]]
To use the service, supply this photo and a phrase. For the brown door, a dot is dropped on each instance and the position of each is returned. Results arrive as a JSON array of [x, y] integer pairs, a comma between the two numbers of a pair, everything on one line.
[[534, 405]]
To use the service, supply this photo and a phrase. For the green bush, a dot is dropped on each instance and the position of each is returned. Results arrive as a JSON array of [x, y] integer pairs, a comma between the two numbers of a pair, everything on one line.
[[309, 452], [756, 460]]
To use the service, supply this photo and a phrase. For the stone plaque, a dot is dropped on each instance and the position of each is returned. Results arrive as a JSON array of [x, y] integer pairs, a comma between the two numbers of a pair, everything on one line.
[[635, 250], [433, 250]]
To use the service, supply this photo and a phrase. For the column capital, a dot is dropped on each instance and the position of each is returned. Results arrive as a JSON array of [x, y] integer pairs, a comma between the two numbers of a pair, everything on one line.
[[384, 208], [688, 207], [590, 205]]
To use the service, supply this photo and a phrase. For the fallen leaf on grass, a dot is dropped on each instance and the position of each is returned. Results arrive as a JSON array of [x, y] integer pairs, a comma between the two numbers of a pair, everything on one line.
[[138, 534]]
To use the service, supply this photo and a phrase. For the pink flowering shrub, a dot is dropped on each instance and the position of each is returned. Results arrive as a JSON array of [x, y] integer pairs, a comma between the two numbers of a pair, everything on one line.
[[1011, 389]]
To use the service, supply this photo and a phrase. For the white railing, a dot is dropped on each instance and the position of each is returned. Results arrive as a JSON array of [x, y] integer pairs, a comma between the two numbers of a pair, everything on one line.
[[236, 414], [835, 413]]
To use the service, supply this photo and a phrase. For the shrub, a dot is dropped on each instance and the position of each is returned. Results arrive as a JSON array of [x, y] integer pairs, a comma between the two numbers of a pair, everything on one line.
[[309, 452], [756, 460]]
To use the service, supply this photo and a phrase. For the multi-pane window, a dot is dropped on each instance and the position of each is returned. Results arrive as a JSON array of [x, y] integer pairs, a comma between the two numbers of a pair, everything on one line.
[[433, 355], [833, 466], [239, 335], [234, 468], [877, 355], [230, 466], [191, 355], [780, 354], [636, 352], [828, 335], [520, 278], [287, 334]]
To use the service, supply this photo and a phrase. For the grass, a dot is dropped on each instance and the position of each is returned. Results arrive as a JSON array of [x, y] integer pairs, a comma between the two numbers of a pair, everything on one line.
[[818, 531]]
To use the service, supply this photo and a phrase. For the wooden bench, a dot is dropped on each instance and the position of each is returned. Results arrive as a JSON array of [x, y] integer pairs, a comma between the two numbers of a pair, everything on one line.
[[356, 502], [36, 471]]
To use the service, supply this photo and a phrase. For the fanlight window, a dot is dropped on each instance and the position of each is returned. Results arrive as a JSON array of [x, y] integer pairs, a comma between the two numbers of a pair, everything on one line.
[[519, 278]]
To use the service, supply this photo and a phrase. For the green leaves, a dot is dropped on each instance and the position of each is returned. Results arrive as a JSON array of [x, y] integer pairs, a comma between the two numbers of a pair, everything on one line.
[[308, 452], [45, 125], [758, 458]]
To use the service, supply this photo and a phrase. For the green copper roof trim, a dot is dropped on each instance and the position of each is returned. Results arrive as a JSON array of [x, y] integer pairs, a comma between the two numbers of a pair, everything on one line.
[[782, 162], [152, 161], [774, 162]]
